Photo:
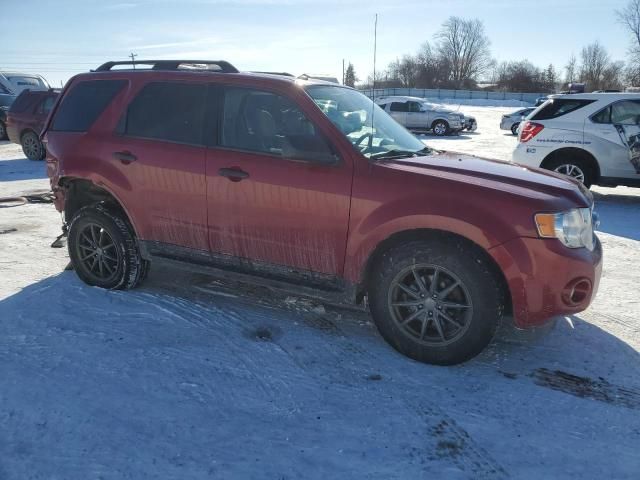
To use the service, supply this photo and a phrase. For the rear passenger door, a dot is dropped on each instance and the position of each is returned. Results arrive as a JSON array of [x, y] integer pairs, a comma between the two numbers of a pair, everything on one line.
[[398, 110], [415, 117], [277, 192], [159, 148]]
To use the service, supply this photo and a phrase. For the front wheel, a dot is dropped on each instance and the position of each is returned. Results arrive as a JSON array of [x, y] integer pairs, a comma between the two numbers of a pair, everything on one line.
[[3, 131], [437, 302], [103, 249], [440, 128]]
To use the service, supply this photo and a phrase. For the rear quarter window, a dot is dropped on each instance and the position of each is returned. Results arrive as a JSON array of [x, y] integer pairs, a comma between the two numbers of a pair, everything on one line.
[[22, 102], [82, 105], [560, 106]]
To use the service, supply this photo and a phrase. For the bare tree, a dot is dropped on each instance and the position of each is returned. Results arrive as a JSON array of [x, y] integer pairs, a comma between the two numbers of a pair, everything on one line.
[[629, 17], [571, 69], [464, 45], [595, 69]]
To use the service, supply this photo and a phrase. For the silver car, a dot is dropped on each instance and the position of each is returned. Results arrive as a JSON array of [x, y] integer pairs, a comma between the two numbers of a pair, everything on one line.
[[511, 121], [416, 113]]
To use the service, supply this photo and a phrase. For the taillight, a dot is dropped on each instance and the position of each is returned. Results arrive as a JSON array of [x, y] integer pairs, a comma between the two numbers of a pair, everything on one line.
[[530, 130]]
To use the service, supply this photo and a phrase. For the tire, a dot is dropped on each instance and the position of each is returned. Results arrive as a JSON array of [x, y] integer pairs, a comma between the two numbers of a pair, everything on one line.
[[440, 128], [573, 166], [514, 128], [3, 131], [478, 288], [32, 146], [117, 267]]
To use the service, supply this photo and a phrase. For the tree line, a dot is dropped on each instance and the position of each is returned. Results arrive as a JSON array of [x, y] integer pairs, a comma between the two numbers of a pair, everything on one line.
[[459, 57]]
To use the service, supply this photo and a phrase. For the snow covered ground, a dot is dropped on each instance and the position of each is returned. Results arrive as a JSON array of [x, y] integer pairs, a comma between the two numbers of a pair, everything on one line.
[[189, 377]]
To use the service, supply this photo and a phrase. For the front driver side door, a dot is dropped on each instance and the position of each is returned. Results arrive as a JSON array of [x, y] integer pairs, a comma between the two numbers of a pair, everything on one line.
[[276, 193]]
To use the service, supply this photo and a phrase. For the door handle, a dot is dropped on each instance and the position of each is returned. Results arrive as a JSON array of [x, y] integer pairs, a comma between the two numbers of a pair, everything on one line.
[[125, 157], [234, 174]]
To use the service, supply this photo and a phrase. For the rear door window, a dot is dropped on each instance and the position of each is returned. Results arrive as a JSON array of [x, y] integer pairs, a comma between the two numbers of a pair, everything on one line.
[[169, 111], [626, 112], [82, 105], [558, 107], [399, 107]]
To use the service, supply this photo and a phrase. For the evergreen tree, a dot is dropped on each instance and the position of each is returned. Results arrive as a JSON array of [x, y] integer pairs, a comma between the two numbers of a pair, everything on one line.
[[350, 78]]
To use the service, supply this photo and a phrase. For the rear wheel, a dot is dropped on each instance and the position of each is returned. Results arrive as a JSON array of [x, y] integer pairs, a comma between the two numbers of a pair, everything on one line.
[[103, 249], [440, 128], [573, 166], [32, 146], [514, 128], [436, 302]]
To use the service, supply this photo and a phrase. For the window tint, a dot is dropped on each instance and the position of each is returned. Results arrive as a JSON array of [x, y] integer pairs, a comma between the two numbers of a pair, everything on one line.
[[603, 116], [167, 111], [22, 103], [399, 107], [414, 107], [46, 105], [626, 112], [560, 106], [84, 103], [264, 122]]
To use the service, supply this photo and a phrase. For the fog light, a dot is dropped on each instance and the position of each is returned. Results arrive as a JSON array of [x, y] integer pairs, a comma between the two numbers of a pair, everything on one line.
[[576, 292]]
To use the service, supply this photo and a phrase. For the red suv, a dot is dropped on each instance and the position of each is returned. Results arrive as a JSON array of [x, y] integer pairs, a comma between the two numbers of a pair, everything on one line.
[[26, 118], [313, 187]]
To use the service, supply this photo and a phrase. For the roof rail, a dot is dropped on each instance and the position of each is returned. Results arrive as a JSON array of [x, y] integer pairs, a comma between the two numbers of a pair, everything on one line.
[[284, 74], [224, 66]]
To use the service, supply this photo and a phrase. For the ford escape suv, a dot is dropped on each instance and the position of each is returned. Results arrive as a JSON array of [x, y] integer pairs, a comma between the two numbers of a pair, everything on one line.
[[312, 187]]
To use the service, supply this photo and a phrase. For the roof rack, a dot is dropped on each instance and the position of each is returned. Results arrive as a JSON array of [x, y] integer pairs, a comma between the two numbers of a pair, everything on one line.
[[284, 74], [223, 66]]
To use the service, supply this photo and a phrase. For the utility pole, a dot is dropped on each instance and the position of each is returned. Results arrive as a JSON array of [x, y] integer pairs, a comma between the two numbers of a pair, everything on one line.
[[133, 59]]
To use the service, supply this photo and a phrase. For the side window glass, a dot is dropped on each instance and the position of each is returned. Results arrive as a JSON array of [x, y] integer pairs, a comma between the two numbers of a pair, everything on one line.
[[47, 105], [626, 112], [264, 122], [168, 111], [414, 107], [603, 116], [399, 107]]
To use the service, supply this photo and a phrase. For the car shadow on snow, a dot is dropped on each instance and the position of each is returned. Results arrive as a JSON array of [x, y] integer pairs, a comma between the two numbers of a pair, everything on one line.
[[619, 214], [22, 169]]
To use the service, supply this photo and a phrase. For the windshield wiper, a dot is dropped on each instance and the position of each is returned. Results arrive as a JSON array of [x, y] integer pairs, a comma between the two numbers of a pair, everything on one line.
[[399, 153]]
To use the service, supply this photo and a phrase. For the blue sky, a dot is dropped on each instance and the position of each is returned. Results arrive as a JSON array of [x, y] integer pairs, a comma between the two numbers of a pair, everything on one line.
[[58, 39]]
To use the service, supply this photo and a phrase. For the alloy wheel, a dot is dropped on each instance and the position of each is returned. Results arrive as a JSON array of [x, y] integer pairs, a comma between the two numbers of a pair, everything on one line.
[[430, 304], [97, 252], [439, 128], [571, 171], [31, 146]]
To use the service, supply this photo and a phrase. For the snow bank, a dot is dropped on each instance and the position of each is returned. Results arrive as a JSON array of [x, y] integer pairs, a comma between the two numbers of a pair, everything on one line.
[[479, 102]]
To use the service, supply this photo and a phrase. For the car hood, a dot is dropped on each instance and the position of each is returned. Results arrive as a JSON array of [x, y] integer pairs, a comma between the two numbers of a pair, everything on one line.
[[504, 176]]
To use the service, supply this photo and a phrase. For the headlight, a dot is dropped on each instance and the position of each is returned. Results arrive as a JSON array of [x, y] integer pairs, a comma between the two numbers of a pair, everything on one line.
[[573, 228]]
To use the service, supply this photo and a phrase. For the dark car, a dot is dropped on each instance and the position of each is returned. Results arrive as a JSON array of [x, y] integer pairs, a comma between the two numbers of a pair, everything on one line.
[[5, 102], [25, 120], [308, 185]]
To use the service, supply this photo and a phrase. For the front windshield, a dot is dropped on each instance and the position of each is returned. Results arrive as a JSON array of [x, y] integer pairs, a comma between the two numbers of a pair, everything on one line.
[[369, 128]]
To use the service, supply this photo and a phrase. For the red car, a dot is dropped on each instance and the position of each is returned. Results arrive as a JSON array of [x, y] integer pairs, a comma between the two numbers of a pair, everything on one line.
[[311, 186], [25, 120]]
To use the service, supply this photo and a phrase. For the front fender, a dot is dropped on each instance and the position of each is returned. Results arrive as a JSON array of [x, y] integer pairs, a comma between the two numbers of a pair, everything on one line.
[[383, 224]]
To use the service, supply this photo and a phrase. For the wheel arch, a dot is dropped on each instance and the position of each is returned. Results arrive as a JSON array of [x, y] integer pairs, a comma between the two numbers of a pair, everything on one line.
[[426, 234], [436, 120], [80, 192], [574, 152]]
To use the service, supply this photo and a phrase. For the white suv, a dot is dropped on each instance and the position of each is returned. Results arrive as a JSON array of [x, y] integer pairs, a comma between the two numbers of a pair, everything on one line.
[[594, 138]]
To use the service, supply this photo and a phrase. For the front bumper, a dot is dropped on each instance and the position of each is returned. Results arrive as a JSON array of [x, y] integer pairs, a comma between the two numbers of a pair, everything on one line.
[[547, 279]]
